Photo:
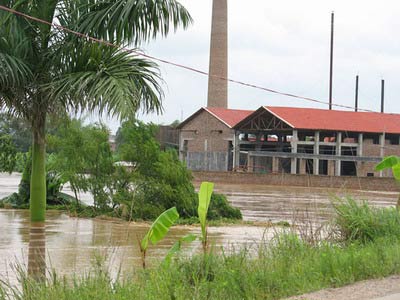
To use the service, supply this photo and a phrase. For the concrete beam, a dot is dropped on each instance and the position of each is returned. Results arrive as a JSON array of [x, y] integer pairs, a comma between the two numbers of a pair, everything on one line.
[[373, 159]]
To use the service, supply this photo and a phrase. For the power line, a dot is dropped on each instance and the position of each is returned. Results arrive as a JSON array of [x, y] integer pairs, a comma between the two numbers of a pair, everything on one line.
[[131, 51]]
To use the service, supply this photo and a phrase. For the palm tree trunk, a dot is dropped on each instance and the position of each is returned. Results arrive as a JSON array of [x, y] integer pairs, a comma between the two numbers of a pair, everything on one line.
[[38, 177], [37, 237]]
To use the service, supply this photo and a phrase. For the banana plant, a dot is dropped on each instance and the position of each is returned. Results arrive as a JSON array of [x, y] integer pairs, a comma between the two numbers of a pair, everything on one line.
[[206, 190], [189, 238], [158, 230], [391, 162]]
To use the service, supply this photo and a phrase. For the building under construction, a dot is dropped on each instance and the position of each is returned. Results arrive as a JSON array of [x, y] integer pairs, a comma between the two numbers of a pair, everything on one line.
[[281, 139], [289, 140]]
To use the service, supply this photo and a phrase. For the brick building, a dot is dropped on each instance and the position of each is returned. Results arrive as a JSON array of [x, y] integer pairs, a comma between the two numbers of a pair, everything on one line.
[[206, 138], [289, 140]]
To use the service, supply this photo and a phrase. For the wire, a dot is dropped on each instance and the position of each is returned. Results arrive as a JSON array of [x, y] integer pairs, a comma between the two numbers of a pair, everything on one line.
[[101, 41]]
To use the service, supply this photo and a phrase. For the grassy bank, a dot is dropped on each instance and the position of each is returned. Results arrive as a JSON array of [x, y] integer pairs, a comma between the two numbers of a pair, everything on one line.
[[282, 267]]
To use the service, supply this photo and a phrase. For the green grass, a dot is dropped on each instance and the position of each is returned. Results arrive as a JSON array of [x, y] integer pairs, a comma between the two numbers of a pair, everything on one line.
[[280, 268], [287, 267], [361, 222]]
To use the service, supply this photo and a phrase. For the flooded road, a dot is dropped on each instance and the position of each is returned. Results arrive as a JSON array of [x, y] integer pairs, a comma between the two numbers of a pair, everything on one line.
[[72, 243]]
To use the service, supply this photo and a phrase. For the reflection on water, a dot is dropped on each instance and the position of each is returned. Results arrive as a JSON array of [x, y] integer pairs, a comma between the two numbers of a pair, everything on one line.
[[37, 251]]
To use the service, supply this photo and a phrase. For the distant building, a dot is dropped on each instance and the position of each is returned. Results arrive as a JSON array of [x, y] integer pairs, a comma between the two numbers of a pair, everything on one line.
[[168, 137], [206, 138], [290, 140]]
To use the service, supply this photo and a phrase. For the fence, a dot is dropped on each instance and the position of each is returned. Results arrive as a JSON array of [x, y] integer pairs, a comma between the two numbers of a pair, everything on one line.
[[207, 161]]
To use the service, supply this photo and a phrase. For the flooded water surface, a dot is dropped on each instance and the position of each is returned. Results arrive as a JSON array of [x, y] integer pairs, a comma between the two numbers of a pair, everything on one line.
[[72, 243]]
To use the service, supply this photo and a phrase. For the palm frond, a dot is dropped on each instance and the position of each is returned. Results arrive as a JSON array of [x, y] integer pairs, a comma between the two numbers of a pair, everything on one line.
[[14, 72], [132, 21], [102, 79]]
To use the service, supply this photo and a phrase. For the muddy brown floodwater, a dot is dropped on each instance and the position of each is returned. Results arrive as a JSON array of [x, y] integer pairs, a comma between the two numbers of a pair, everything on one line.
[[72, 244]]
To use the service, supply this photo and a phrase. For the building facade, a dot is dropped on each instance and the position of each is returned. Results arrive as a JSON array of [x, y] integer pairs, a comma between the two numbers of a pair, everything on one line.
[[206, 138], [289, 140]]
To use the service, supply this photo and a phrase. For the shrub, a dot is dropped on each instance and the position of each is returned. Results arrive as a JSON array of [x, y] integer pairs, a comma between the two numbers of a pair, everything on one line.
[[159, 180], [220, 208], [361, 222]]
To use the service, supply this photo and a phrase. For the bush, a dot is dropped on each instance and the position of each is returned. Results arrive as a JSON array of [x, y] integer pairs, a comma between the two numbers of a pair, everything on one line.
[[159, 180], [220, 208], [361, 222]]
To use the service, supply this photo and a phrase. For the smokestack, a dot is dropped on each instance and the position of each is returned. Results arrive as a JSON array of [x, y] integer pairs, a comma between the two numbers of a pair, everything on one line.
[[356, 104], [331, 60], [218, 88], [383, 96]]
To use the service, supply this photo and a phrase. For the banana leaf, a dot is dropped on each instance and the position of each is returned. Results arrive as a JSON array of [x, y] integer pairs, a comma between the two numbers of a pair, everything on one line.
[[160, 228], [206, 190]]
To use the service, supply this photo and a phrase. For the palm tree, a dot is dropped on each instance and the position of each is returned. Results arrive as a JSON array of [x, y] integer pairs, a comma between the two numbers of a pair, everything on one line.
[[45, 70]]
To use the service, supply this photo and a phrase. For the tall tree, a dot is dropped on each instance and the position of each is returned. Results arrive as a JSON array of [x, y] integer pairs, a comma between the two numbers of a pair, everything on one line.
[[45, 70]]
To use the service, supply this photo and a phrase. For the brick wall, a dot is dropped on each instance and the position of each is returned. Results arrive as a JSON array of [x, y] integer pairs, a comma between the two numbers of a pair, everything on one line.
[[205, 127], [371, 149], [365, 183]]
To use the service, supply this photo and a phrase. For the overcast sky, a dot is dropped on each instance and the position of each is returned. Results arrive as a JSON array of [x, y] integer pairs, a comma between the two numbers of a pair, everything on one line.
[[284, 45]]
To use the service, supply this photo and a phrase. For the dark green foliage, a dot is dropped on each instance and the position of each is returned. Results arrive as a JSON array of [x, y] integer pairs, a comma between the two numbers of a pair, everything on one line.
[[361, 222], [21, 198], [158, 179], [82, 156], [18, 129], [220, 208], [8, 154]]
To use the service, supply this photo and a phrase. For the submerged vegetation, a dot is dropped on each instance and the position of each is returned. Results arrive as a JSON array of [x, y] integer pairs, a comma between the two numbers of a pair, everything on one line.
[[147, 183], [281, 267]]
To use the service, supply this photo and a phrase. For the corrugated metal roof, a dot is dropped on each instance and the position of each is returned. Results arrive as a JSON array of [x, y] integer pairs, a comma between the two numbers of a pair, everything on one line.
[[322, 119]]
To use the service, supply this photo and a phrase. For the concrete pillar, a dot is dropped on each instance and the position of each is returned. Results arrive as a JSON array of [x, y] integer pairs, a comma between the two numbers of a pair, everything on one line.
[[293, 167], [302, 166], [236, 151], [360, 144], [217, 87], [280, 143], [275, 164], [382, 138], [258, 148], [331, 168], [316, 152], [250, 163], [338, 153], [360, 153]]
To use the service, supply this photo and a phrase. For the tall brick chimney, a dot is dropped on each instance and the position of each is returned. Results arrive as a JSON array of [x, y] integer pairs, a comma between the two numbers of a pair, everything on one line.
[[218, 88]]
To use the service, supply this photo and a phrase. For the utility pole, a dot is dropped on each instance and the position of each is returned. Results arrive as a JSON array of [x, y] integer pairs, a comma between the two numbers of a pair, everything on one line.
[[382, 96], [331, 62], [356, 104]]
